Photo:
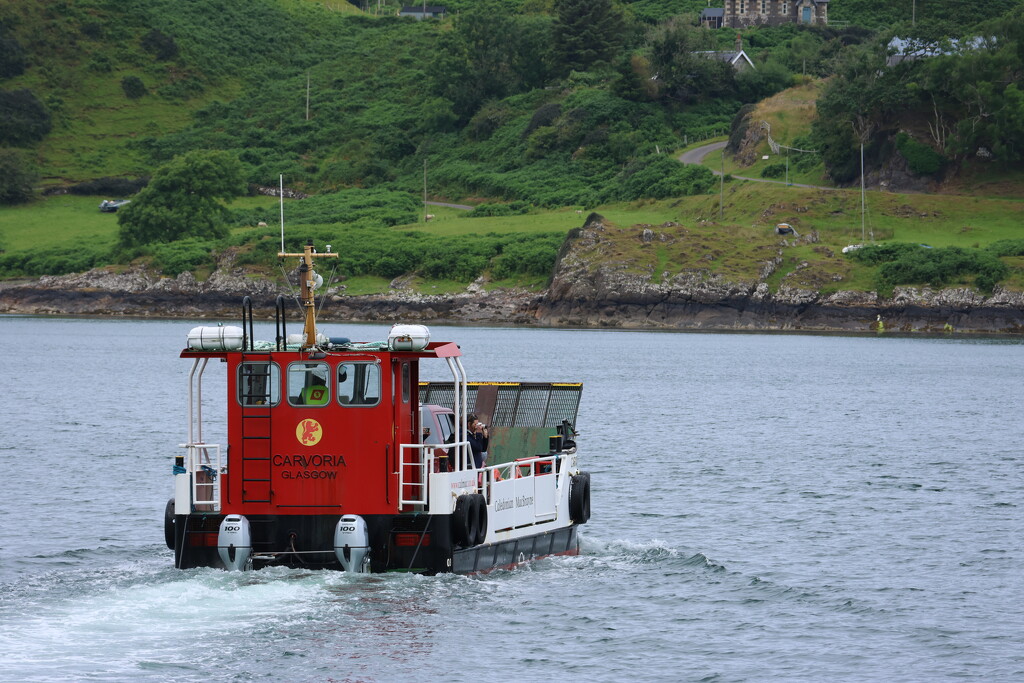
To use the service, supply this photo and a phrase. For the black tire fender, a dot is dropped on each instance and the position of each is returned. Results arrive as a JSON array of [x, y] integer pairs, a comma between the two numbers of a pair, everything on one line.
[[464, 521], [480, 512], [169, 524], [579, 498]]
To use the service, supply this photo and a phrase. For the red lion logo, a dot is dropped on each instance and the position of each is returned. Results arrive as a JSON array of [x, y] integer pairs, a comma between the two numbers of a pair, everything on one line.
[[308, 432]]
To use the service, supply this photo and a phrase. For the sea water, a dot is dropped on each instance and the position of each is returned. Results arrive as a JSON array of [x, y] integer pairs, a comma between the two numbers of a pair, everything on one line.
[[765, 507]]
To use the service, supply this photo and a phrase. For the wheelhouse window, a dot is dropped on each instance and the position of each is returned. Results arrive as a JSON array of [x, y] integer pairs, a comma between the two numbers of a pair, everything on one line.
[[308, 384], [359, 384], [259, 384], [446, 421]]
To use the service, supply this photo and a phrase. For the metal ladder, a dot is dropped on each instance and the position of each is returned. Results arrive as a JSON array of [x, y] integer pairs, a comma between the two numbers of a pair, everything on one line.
[[256, 427]]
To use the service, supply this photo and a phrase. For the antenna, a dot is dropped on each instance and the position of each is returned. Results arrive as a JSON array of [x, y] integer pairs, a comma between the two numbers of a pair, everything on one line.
[[280, 194], [862, 192], [309, 280]]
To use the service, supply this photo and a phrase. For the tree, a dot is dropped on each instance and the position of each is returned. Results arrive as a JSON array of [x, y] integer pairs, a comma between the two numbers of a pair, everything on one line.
[[803, 52], [133, 87], [12, 56], [681, 72], [160, 45], [182, 200], [587, 34], [17, 177], [24, 118], [489, 55]]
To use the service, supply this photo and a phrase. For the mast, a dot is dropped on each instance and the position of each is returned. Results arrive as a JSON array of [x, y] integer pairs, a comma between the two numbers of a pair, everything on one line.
[[862, 234], [308, 284]]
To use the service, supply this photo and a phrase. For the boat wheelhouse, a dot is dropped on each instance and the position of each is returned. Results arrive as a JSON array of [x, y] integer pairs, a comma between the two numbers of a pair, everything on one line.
[[337, 456]]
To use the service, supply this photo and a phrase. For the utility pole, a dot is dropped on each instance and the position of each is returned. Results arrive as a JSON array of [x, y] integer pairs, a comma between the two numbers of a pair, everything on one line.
[[307, 96], [721, 188], [424, 190], [862, 233]]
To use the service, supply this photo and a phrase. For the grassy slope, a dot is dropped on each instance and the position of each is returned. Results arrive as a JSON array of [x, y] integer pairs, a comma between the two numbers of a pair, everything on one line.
[[78, 73]]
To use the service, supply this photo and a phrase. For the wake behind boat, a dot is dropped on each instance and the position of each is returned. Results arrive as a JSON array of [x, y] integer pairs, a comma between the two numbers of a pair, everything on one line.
[[338, 457]]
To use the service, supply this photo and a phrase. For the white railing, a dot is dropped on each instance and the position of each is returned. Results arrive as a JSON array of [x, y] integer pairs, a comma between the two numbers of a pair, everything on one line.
[[523, 491], [415, 463], [205, 470]]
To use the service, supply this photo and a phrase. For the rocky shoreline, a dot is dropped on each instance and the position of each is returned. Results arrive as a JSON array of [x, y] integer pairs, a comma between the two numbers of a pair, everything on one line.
[[581, 294], [608, 302]]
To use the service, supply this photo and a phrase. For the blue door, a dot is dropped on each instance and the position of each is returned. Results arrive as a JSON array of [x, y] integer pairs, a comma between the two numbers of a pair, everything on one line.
[[807, 15]]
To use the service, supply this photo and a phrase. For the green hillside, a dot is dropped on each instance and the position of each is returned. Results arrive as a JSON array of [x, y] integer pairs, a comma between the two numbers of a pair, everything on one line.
[[534, 109]]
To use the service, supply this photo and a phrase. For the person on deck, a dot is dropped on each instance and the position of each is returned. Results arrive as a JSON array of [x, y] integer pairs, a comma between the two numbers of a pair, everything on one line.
[[316, 393], [478, 437]]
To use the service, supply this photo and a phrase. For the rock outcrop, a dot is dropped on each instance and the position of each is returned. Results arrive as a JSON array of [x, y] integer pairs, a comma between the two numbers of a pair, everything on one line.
[[588, 294]]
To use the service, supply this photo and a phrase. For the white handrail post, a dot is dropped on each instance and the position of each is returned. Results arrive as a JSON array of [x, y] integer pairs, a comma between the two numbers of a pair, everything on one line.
[[464, 387], [191, 383], [199, 400]]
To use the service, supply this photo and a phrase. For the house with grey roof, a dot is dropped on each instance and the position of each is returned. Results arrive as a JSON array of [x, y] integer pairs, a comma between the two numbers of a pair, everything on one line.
[[738, 59], [420, 12], [745, 13]]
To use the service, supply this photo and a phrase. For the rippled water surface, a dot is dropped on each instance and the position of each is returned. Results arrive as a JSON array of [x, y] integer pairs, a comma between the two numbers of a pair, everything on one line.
[[765, 507]]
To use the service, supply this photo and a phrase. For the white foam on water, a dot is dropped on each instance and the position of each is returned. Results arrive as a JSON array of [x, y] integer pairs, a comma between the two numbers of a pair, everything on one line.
[[111, 628]]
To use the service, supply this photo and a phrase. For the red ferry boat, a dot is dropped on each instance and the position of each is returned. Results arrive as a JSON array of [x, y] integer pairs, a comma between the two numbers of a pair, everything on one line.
[[338, 457]]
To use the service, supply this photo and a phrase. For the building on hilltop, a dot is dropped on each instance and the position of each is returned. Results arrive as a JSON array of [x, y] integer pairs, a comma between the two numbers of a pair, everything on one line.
[[712, 17], [420, 12], [744, 13]]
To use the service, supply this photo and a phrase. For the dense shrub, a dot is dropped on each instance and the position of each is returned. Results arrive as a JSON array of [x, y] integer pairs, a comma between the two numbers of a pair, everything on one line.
[[368, 249], [659, 177], [922, 159], [133, 87], [544, 116], [379, 206], [776, 170], [17, 177], [509, 209], [25, 119], [911, 264], [531, 257], [12, 56], [160, 45], [74, 258], [183, 255], [1007, 248]]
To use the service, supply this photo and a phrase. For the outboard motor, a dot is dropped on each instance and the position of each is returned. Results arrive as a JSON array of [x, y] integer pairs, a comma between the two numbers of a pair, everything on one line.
[[352, 543], [234, 542]]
